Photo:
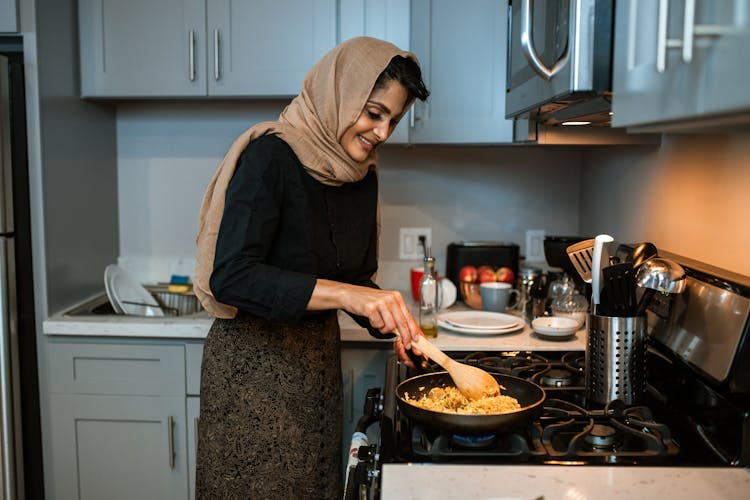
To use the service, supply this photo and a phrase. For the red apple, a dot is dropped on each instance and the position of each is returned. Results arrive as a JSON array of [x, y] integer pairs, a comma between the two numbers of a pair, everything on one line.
[[505, 274], [486, 273], [468, 274]]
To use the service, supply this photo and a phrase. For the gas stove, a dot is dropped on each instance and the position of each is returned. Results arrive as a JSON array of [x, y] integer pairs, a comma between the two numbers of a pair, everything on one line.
[[685, 418], [689, 427], [568, 430]]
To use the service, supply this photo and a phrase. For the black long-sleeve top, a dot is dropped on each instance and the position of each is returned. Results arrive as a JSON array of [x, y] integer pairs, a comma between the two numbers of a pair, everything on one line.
[[281, 230]]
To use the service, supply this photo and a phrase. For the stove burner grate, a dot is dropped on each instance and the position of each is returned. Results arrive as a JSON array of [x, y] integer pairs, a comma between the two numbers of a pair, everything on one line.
[[615, 433]]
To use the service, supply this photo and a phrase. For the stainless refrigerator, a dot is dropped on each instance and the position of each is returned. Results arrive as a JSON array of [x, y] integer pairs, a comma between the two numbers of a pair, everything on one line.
[[20, 440]]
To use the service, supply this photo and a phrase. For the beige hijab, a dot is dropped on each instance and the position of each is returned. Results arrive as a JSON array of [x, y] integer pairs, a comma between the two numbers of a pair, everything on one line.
[[333, 95]]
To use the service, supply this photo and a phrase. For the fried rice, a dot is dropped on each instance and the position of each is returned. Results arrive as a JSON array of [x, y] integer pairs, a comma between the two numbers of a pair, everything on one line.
[[450, 400]]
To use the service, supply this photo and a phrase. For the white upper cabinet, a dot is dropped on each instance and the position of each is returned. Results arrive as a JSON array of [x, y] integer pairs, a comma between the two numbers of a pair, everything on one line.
[[462, 49], [681, 64], [8, 16], [142, 48], [173, 48], [266, 47], [384, 19]]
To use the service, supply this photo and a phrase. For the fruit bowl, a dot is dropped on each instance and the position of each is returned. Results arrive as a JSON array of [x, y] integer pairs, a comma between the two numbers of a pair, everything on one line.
[[470, 295]]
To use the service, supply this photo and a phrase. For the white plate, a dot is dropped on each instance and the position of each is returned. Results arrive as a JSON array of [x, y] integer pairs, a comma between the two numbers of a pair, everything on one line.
[[478, 331], [480, 320], [554, 326], [127, 296]]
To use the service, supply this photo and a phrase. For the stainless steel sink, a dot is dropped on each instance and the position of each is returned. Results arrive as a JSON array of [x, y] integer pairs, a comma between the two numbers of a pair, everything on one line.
[[173, 304]]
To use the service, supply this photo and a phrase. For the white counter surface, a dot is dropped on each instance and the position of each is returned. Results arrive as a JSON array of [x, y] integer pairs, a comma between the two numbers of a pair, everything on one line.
[[197, 326], [552, 482]]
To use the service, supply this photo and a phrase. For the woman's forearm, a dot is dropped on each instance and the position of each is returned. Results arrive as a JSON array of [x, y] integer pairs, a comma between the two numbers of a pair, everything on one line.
[[386, 310]]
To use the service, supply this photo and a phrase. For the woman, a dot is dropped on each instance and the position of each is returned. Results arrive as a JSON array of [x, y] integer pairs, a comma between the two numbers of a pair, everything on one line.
[[288, 235]]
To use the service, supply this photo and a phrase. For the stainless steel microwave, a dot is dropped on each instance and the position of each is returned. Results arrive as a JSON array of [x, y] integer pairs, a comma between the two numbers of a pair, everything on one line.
[[560, 61]]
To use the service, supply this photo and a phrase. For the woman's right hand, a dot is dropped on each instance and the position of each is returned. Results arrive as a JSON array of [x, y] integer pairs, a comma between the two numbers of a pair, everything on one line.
[[386, 310]]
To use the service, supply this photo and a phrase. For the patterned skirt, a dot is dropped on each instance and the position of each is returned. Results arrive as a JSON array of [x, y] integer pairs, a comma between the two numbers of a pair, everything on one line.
[[271, 410]]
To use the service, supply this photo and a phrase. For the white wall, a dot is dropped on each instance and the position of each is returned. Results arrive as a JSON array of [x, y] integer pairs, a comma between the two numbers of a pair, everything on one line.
[[689, 197], [167, 153]]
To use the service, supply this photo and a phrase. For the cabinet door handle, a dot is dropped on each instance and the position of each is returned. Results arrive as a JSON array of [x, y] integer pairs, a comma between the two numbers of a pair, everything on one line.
[[191, 55], [351, 395], [170, 433], [688, 31], [216, 55], [661, 36], [411, 117], [691, 31], [527, 45], [196, 423]]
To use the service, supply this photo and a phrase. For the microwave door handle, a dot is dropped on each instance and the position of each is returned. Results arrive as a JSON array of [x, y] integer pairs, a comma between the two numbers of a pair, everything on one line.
[[527, 45]]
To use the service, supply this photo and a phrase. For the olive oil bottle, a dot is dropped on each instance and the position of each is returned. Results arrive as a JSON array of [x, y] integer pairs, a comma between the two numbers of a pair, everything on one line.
[[428, 299]]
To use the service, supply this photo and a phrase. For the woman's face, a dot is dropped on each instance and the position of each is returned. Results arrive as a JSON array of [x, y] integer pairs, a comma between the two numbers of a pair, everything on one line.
[[383, 110]]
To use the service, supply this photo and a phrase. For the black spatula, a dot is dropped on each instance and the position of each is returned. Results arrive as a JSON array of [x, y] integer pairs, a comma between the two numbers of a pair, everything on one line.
[[618, 292]]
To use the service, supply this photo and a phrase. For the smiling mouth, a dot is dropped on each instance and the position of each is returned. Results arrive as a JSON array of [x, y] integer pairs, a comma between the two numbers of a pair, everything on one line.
[[367, 144]]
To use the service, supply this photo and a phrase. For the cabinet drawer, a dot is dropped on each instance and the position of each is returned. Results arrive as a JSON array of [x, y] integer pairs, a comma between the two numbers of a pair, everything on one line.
[[193, 359], [117, 369]]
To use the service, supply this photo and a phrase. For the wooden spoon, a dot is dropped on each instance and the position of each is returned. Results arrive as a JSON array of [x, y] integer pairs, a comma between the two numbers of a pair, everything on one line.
[[473, 382]]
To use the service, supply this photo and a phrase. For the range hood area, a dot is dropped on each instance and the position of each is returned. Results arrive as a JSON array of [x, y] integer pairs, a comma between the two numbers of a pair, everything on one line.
[[635, 67]]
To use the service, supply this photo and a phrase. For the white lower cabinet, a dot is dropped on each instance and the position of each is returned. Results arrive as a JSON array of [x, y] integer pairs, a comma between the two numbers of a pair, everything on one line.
[[362, 368], [193, 359], [118, 421], [118, 447], [124, 415], [193, 415]]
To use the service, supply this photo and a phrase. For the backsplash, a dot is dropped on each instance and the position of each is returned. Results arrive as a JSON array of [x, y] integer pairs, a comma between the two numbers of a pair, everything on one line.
[[167, 153], [688, 197]]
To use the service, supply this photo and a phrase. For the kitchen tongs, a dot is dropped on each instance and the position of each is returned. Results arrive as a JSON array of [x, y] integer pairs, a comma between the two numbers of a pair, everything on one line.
[[582, 255]]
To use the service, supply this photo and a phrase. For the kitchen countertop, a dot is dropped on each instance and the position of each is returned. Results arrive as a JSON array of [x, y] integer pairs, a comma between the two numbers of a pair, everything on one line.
[[552, 482], [196, 327]]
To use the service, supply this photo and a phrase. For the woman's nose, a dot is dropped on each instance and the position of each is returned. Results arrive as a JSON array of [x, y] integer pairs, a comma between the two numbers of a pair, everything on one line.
[[382, 131]]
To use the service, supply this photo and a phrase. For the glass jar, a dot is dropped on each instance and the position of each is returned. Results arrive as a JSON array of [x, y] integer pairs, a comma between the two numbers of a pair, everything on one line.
[[571, 304], [561, 285], [428, 299]]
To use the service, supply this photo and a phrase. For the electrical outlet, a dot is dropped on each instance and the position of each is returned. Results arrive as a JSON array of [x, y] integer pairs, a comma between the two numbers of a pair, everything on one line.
[[409, 247], [535, 245]]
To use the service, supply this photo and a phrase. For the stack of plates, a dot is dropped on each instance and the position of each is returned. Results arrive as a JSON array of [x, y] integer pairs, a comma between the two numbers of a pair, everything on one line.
[[127, 296], [479, 322]]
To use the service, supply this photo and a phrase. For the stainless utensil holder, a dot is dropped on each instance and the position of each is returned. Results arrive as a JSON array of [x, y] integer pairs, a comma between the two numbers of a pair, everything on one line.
[[615, 359]]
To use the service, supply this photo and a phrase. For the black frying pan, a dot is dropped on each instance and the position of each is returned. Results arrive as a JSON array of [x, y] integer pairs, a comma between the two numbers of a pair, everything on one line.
[[529, 395]]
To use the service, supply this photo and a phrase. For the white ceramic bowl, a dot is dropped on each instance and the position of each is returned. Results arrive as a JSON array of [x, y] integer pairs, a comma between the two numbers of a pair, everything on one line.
[[449, 292], [555, 326]]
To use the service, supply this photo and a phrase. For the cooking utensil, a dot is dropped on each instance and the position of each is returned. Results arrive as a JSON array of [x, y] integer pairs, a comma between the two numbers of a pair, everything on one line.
[[555, 251], [599, 260], [473, 382], [641, 253], [581, 255], [659, 275], [529, 395], [618, 290]]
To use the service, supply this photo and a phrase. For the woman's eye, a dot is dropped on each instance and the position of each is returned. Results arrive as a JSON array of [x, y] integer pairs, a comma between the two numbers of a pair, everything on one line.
[[373, 115]]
